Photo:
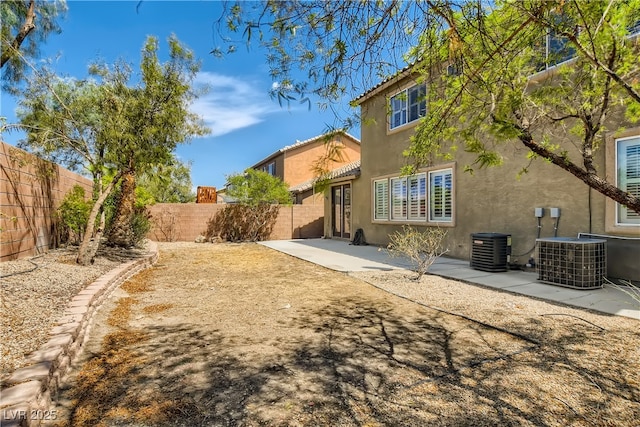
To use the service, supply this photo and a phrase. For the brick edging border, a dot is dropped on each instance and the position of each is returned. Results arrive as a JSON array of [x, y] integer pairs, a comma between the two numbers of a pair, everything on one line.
[[28, 402]]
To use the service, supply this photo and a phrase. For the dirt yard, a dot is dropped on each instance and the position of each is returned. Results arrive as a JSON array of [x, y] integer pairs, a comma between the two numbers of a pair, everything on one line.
[[239, 334]]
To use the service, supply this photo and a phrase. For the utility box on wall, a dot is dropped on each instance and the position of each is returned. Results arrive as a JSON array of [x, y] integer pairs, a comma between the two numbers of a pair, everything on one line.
[[573, 263], [490, 251]]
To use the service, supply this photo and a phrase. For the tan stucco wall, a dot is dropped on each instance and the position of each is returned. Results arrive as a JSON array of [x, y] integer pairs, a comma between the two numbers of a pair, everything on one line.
[[490, 200], [299, 162]]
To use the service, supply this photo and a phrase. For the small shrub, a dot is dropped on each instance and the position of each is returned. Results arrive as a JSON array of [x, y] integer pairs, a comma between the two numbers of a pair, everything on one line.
[[627, 287], [423, 248], [165, 226], [241, 223], [140, 224], [74, 213]]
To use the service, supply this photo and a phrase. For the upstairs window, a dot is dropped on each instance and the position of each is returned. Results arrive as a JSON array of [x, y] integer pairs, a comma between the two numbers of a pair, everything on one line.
[[628, 175], [270, 168], [408, 106]]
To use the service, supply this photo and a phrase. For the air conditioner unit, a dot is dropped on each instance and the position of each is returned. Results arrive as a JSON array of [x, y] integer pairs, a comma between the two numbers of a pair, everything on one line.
[[490, 251], [571, 262]]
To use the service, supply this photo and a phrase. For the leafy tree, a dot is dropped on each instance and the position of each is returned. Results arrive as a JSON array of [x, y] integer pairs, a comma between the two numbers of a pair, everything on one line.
[[167, 183], [495, 47], [255, 187], [74, 212], [499, 51], [147, 120], [111, 129], [63, 118], [24, 26]]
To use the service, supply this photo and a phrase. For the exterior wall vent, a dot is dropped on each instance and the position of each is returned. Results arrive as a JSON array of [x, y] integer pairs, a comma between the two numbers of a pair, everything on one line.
[[490, 251], [573, 263]]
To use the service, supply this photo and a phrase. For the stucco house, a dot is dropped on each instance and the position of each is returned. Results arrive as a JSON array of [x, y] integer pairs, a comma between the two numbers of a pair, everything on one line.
[[295, 163], [492, 200]]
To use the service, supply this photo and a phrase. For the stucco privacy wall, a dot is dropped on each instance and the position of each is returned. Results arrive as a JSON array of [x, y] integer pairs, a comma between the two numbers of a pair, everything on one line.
[[185, 221], [30, 191]]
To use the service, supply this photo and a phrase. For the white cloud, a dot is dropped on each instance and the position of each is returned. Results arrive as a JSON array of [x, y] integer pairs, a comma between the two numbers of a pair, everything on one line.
[[231, 103]]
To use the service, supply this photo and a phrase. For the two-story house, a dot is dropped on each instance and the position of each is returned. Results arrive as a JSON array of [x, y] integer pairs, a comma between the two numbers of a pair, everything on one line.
[[492, 200], [296, 164]]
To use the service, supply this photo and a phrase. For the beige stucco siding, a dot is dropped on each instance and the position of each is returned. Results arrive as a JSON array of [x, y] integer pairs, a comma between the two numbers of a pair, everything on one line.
[[489, 200]]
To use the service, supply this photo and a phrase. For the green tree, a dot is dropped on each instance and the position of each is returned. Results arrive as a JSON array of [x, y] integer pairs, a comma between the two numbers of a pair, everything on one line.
[[167, 183], [254, 187], [499, 51], [63, 118], [147, 120], [492, 47], [74, 212], [25, 25], [111, 129]]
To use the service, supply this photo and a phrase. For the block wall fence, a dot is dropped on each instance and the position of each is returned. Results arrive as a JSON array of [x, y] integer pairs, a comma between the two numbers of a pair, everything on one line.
[[31, 189], [184, 222]]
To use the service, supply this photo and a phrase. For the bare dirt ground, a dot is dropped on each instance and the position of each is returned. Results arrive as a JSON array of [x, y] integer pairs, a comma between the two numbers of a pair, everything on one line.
[[238, 334]]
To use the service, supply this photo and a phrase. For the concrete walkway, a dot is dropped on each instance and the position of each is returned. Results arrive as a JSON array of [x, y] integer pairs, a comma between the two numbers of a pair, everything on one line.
[[339, 255]]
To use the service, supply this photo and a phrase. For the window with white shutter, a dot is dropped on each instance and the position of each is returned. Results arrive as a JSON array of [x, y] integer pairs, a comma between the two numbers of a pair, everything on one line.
[[441, 196], [381, 199], [417, 186], [628, 160], [399, 198]]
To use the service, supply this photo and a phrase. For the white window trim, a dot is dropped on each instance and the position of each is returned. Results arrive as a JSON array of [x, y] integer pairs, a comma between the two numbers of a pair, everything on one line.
[[406, 109], [423, 219], [618, 221], [443, 218], [385, 209]]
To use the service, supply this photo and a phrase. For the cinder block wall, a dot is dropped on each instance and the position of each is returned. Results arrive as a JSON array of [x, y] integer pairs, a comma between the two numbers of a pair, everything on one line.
[[183, 222], [31, 189]]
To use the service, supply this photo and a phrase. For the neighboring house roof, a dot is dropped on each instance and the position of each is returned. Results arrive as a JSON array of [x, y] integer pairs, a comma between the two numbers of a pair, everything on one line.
[[299, 144], [349, 169]]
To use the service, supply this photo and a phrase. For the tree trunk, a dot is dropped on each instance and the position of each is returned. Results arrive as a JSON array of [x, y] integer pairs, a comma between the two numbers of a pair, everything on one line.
[[593, 180], [121, 233], [27, 27], [86, 251]]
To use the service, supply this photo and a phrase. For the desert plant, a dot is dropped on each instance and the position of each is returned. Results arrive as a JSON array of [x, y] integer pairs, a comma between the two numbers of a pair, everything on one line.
[[140, 224], [240, 222], [74, 213], [422, 247], [165, 226]]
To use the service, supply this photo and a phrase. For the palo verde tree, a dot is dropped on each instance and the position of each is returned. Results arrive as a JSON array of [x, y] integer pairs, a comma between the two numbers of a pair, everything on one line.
[[147, 120], [63, 120], [494, 47], [25, 24], [550, 76]]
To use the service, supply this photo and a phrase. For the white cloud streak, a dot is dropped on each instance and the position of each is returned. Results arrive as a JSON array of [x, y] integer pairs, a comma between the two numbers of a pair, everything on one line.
[[231, 103]]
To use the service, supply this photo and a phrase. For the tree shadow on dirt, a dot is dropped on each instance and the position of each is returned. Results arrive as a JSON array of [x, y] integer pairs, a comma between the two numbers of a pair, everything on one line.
[[365, 364]]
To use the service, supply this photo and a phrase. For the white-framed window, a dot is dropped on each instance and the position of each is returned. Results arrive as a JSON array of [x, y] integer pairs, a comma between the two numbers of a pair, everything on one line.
[[417, 187], [408, 106], [270, 168], [441, 196], [381, 199], [399, 198], [628, 176], [423, 197]]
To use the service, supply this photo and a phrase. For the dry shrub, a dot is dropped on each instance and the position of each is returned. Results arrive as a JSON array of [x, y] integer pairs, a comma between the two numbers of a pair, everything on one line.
[[242, 223], [423, 248]]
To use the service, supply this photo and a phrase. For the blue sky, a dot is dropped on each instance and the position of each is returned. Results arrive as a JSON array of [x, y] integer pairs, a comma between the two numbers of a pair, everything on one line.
[[246, 124]]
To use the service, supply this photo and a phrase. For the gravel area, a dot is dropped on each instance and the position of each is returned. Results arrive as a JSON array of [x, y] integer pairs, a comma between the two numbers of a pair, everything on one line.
[[34, 293], [238, 334]]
